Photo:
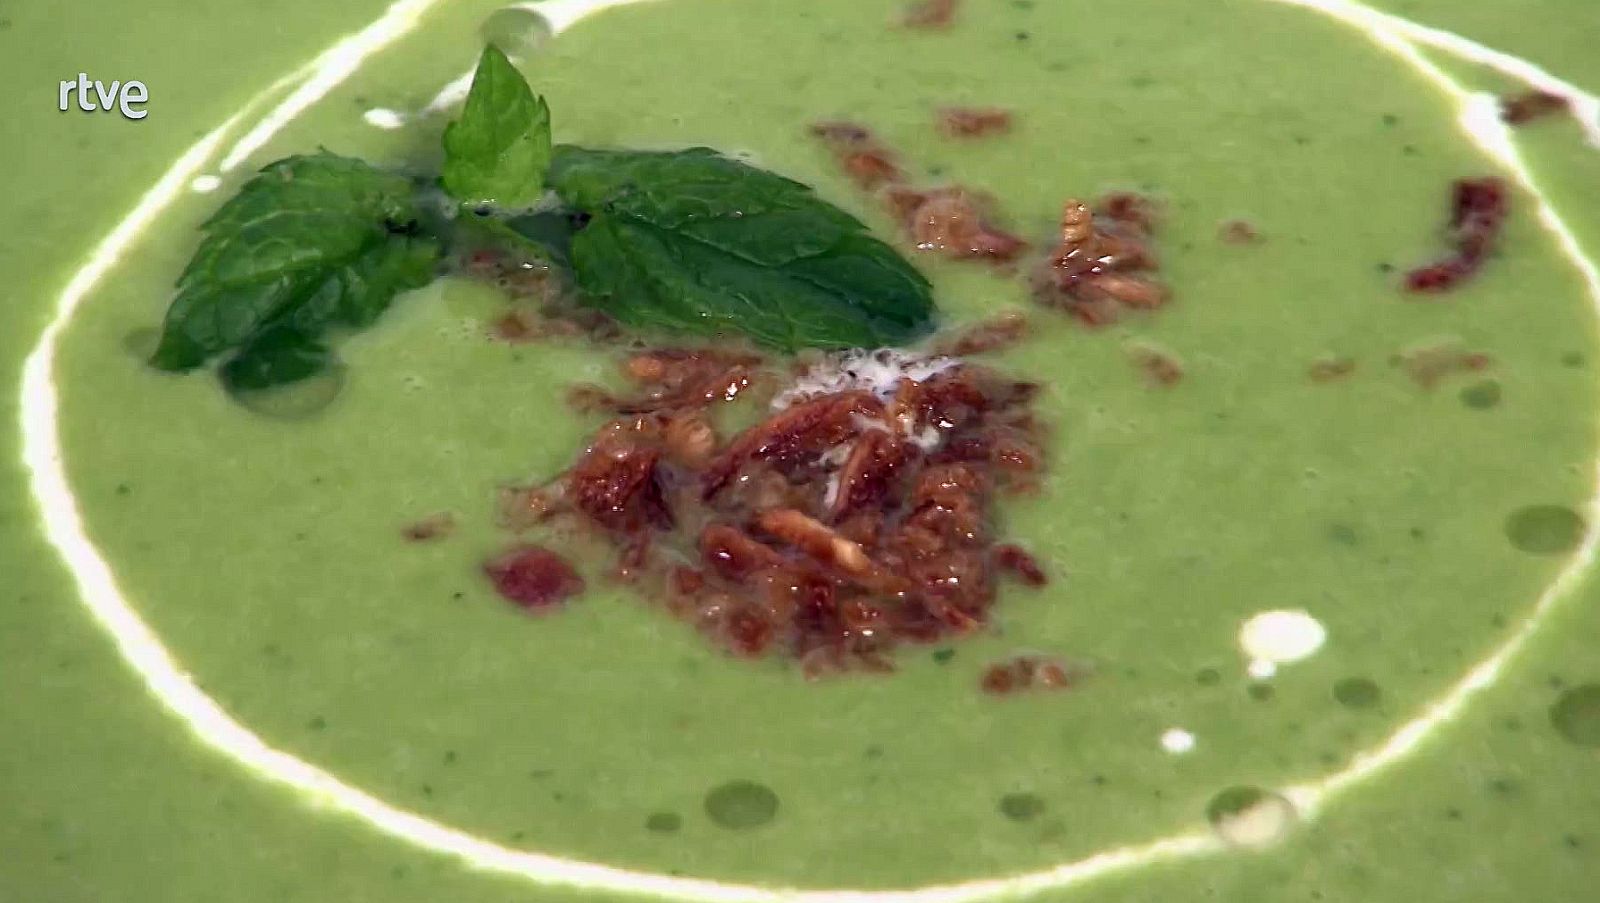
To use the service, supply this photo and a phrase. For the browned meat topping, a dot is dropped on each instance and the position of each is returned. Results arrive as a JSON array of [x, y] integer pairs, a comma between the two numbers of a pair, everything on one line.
[[955, 222], [840, 526], [1238, 232], [533, 577], [973, 122], [930, 14], [867, 162], [674, 379], [1102, 264], [1519, 109], [1478, 209], [997, 333], [434, 526], [1032, 672], [1431, 364], [1019, 562], [1160, 367]]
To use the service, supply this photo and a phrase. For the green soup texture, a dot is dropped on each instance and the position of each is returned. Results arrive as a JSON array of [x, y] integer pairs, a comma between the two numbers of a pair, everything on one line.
[[1430, 530]]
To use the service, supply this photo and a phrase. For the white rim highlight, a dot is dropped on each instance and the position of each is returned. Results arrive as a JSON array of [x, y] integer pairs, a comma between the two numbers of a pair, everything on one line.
[[213, 726]]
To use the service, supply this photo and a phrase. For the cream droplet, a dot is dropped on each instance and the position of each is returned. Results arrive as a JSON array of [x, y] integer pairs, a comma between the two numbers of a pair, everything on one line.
[[1273, 638], [383, 118], [1177, 741]]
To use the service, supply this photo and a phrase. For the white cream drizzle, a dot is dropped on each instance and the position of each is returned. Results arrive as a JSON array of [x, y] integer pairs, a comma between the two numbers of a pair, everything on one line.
[[176, 691], [1177, 741], [384, 118]]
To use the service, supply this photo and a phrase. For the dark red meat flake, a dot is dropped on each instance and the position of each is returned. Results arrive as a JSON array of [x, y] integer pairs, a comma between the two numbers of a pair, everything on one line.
[[1478, 209], [973, 122], [533, 577], [930, 14], [1519, 109]]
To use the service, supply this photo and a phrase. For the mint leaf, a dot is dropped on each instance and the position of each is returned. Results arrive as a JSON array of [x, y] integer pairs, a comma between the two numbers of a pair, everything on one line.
[[499, 149], [695, 241], [311, 242]]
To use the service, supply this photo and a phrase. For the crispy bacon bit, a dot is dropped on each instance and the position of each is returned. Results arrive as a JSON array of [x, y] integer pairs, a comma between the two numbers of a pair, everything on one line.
[[1031, 672], [973, 122], [616, 483], [1100, 268], [1478, 211], [954, 222], [522, 508], [817, 540], [515, 327], [1134, 212], [1160, 367], [994, 334], [846, 523], [1330, 369], [731, 552], [533, 577], [1238, 232], [794, 435], [930, 14], [434, 526], [867, 162], [677, 380], [1019, 561], [1431, 364], [690, 439], [1519, 109], [864, 480]]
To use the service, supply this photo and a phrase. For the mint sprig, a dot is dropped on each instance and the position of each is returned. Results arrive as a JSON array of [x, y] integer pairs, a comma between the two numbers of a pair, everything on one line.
[[499, 149], [310, 243], [683, 241], [692, 241]]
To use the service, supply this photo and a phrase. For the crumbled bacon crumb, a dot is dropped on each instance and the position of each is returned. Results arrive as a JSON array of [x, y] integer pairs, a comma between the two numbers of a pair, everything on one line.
[[837, 528], [1238, 232], [955, 222], [434, 526], [867, 162], [973, 122], [997, 333], [1159, 366], [1099, 268], [1020, 562], [1031, 672], [1431, 364], [1519, 109], [1478, 209], [533, 577], [930, 14]]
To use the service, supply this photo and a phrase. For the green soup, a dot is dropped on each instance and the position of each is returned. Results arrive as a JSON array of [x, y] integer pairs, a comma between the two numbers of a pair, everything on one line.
[[1423, 526]]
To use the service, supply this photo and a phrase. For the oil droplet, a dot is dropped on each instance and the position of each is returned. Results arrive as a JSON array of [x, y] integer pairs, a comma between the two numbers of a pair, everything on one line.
[[297, 400], [1545, 529], [1481, 396], [1576, 715], [515, 31], [740, 805], [1021, 806], [142, 342], [1357, 693], [663, 822], [1343, 534], [1208, 677], [1250, 817]]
